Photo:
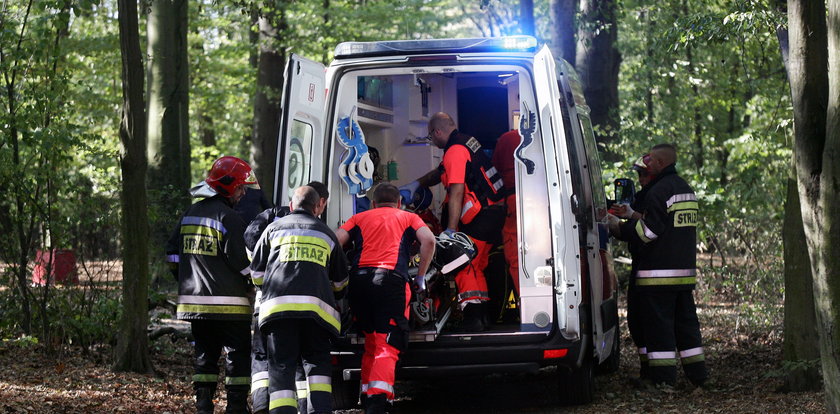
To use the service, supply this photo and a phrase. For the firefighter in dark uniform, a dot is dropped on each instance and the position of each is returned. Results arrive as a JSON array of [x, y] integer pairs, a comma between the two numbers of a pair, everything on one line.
[[474, 190], [208, 250], [303, 268], [635, 321], [666, 272], [259, 358], [380, 289]]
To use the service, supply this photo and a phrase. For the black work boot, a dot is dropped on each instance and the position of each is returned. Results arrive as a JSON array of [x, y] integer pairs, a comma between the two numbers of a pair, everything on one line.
[[204, 400], [376, 404], [473, 318], [237, 402]]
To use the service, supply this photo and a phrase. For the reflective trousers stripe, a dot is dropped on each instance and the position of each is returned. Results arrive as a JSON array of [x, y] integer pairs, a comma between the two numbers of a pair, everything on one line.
[[665, 281], [284, 398], [259, 380], [205, 378], [237, 380], [666, 273], [302, 389], [321, 383]]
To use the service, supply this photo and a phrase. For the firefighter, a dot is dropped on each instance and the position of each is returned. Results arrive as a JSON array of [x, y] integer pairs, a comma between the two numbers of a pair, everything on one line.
[[666, 272], [303, 268], [473, 190], [207, 250], [259, 358], [635, 321], [380, 289], [504, 163]]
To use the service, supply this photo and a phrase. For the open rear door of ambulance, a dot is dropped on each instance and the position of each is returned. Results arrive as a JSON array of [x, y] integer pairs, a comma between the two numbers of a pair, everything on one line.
[[302, 123], [563, 201]]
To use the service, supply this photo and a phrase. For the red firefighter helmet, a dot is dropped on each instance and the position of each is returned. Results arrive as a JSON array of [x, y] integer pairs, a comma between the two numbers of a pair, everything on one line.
[[228, 173]]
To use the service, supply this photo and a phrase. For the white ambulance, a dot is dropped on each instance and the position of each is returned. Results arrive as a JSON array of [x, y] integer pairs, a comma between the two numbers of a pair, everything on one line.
[[566, 312]]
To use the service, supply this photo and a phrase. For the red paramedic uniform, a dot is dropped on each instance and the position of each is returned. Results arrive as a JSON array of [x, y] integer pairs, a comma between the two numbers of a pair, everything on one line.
[[504, 162], [380, 292], [470, 281]]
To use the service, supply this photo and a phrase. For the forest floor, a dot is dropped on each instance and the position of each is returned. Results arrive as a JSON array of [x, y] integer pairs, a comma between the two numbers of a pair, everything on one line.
[[743, 354]]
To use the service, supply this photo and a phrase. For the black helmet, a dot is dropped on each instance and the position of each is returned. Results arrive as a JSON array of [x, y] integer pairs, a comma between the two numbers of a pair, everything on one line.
[[452, 254]]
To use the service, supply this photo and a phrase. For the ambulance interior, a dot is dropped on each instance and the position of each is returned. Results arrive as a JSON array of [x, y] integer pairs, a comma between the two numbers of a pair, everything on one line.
[[392, 107]]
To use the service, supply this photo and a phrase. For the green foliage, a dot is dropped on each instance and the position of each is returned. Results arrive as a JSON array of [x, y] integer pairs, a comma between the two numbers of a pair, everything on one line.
[[708, 77]]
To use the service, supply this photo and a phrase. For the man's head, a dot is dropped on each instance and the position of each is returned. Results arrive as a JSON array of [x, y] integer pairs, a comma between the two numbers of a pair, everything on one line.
[[386, 195], [441, 126], [661, 156], [323, 195], [305, 198], [230, 177]]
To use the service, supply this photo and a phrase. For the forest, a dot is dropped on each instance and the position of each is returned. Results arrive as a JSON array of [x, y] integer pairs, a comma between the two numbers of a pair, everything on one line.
[[112, 109]]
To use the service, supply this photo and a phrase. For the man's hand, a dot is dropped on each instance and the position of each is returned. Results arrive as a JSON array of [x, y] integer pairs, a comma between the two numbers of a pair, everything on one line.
[[622, 210], [419, 284], [447, 234]]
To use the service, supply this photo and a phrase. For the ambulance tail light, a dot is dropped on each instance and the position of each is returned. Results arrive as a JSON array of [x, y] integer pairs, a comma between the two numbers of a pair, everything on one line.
[[555, 353], [542, 276]]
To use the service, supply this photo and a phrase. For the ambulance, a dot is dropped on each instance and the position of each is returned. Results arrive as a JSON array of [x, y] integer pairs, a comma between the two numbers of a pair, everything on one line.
[[376, 98]]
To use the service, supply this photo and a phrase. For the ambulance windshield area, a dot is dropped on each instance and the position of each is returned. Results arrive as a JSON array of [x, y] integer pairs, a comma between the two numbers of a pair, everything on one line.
[[392, 108]]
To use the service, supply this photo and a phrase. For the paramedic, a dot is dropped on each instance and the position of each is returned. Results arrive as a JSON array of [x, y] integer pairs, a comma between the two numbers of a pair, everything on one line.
[[504, 163], [473, 187], [213, 287], [259, 359], [634, 211], [303, 267], [379, 286], [666, 273]]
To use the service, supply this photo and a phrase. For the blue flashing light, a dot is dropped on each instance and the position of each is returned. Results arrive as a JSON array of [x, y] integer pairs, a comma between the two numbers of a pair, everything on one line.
[[436, 46]]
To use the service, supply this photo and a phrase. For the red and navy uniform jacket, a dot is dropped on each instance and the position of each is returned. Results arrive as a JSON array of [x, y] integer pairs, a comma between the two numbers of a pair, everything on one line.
[[384, 235], [303, 269], [213, 272], [464, 162], [666, 235]]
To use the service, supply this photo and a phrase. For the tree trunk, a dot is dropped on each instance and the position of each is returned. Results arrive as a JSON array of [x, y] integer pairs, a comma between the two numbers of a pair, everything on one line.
[[815, 89], [168, 147], [598, 63], [526, 17], [801, 341], [272, 61], [132, 351], [563, 21]]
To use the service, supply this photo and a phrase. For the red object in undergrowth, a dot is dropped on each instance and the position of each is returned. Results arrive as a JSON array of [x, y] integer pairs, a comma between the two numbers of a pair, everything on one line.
[[61, 265]]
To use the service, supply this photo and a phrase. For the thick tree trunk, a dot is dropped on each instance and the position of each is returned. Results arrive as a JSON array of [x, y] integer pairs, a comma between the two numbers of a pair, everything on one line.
[[563, 21], [815, 90], [132, 351], [598, 63], [272, 61], [801, 340], [168, 147]]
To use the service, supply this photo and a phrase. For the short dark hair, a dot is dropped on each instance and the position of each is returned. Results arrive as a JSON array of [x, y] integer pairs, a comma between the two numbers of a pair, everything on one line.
[[386, 193], [306, 198], [667, 146], [321, 188]]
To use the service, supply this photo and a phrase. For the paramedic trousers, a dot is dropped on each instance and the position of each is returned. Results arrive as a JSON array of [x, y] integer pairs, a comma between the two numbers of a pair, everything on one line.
[[259, 373], [288, 341], [635, 324], [470, 281], [211, 336], [511, 241], [671, 331], [379, 300]]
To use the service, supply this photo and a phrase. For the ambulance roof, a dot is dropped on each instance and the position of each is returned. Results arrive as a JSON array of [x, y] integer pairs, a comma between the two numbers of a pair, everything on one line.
[[348, 50]]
